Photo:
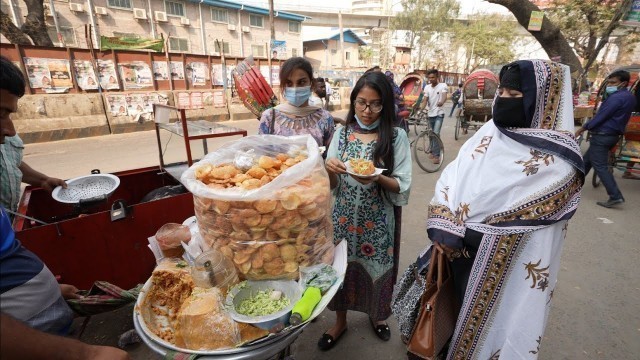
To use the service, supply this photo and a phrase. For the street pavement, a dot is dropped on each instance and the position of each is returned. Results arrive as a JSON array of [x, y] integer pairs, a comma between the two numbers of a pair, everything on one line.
[[596, 306]]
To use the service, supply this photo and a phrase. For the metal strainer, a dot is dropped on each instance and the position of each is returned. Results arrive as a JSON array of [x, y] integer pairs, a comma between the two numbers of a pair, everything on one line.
[[89, 187]]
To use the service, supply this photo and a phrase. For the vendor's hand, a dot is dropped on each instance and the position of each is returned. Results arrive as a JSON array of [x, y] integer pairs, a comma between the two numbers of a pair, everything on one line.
[[580, 131], [69, 292], [335, 166], [96, 352], [51, 183]]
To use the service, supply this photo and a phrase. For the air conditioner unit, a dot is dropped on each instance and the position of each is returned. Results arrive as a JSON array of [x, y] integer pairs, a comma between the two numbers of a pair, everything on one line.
[[184, 21], [231, 27], [139, 14], [160, 16], [100, 10], [246, 29], [76, 7]]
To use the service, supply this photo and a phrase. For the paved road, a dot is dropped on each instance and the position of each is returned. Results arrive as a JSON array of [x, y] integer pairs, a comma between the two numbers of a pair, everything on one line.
[[596, 307]]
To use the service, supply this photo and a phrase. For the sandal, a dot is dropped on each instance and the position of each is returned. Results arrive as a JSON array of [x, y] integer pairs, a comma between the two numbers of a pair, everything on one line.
[[327, 341], [382, 331]]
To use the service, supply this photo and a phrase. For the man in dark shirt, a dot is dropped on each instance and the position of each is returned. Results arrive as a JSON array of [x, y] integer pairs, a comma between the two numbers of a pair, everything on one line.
[[605, 129]]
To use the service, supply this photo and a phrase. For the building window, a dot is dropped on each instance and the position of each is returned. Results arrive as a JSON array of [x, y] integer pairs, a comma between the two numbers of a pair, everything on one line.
[[178, 44], [294, 27], [347, 55], [256, 21], [123, 4], [68, 35], [257, 50], [219, 15], [174, 8], [225, 47], [294, 52], [334, 51]]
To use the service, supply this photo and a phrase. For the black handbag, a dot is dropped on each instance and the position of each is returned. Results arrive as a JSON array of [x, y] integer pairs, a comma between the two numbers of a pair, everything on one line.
[[405, 303]]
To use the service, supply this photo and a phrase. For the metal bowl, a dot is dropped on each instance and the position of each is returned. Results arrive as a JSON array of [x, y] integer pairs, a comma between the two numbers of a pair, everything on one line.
[[236, 295]]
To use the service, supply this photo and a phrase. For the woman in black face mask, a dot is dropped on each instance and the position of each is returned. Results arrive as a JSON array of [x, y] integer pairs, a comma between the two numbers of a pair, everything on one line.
[[508, 108], [500, 211]]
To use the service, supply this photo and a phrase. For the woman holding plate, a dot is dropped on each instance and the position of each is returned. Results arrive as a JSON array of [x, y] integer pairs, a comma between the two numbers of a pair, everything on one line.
[[367, 208]]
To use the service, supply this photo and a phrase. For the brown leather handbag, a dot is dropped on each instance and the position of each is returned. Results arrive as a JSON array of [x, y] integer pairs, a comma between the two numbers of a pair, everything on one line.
[[439, 309]]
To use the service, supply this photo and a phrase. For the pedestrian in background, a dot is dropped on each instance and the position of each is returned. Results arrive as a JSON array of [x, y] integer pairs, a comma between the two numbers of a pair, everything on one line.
[[436, 93], [605, 129]]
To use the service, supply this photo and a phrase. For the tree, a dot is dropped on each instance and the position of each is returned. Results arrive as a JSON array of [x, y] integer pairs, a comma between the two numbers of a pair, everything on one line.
[[552, 38], [365, 53], [33, 30], [425, 19], [487, 39]]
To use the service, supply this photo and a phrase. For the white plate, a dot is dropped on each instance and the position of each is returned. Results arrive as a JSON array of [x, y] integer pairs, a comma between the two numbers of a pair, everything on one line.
[[339, 263], [351, 172]]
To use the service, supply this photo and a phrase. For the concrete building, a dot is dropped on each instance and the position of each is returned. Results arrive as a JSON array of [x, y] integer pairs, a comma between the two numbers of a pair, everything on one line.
[[192, 26], [323, 50]]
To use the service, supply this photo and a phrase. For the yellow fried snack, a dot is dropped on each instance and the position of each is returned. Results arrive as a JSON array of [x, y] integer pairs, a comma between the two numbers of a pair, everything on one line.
[[362, 166]]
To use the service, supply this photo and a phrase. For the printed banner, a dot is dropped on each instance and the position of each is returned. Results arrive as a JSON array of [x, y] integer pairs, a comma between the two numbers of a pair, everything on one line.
[[177, 70], [60, 73], [107, 75], [216, 74], [133, 104], [160, 70], [198, 73], [275, 75], [136, 75], [535, 22], [85, 75], [130, 43], [278, 49], [117, 104], [38, 73], [49, 74]]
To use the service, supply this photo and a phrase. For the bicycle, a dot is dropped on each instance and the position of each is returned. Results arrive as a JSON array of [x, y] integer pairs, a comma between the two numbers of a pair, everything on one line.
[[425, 143]]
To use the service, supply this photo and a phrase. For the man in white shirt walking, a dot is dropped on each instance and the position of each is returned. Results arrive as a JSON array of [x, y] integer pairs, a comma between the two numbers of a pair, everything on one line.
[[436, 94]]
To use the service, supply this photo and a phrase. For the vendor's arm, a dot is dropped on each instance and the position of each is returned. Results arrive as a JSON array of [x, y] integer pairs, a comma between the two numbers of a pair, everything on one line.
[[604, 113], [36, 178], [19, 341]]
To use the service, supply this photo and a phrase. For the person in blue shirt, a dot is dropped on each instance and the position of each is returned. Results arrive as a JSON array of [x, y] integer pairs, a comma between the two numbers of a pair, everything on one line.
[[605, 128]]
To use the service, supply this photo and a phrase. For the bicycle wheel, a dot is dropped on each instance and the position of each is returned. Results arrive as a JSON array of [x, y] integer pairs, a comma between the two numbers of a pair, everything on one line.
[[423, 148], [458, 125]]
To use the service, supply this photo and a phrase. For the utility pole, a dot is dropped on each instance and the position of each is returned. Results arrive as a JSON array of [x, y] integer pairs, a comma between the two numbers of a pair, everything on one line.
[[341, 40], [271, 22], [273, 37]]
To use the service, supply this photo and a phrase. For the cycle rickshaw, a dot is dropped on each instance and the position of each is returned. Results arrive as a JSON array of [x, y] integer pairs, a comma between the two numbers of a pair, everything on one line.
[[478, 93]]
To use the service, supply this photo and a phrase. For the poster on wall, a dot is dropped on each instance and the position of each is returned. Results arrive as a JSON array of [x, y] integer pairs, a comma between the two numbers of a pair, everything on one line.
[[177, 70], [264, 70], [197, 73], [107, 75], [85, 75], [278, 49], [117, 104], [160, 70], [135, 104], [196, 100], [38, 73], [275, 75], [230, 84], [218, 99], [135, 75], [60, 73], [216, 74], [184, 101]]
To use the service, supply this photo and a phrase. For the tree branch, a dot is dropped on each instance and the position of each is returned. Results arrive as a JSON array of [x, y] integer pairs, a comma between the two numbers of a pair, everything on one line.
[[615, 21], [11, 31]]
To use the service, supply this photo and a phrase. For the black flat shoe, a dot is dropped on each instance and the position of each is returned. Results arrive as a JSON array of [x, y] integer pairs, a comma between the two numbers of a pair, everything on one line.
[[382, 331], [327, 341]]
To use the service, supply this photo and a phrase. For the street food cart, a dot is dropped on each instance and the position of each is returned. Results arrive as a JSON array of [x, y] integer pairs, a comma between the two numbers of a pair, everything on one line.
[[478, 92]]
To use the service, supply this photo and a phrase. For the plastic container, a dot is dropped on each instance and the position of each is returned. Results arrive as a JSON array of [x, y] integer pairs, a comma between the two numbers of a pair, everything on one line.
[[213, 269], [289, 288], [170, 237]]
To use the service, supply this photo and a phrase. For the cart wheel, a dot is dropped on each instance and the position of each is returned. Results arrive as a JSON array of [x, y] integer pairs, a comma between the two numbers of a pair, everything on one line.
[[423, 148], [458, 126]]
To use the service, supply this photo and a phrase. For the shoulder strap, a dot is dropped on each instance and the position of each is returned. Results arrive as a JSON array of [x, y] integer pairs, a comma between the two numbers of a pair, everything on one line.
[[273, 121]]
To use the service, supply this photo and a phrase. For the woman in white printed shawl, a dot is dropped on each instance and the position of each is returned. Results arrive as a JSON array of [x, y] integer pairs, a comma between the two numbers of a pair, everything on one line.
[[501, 209]]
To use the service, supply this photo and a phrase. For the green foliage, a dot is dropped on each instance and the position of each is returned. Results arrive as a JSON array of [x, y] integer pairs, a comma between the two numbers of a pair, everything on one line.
[[489, 37], [583, 22], [421, 17]]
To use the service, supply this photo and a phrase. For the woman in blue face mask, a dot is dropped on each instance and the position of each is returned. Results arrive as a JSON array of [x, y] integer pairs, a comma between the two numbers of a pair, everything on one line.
[[366, 211], [295, 116]]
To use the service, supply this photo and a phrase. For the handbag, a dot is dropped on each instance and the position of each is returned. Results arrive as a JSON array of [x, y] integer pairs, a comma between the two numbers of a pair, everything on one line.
[[439, 309], [407, 292]]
